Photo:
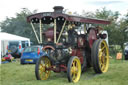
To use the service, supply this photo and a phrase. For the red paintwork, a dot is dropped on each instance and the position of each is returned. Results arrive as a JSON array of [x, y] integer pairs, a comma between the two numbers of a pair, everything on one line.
[[81, 42], [58, 69], [48, 46], [49, 33], [92, 36], [78, 53]]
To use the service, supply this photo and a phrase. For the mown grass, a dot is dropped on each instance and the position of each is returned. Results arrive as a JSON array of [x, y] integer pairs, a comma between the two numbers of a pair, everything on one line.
[[16, 74]]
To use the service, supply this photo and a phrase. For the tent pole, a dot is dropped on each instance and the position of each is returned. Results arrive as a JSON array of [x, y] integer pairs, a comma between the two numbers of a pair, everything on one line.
[[0, 52]]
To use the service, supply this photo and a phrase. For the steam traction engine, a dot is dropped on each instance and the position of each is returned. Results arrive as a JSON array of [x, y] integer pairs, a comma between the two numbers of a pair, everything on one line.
[[71, 44]]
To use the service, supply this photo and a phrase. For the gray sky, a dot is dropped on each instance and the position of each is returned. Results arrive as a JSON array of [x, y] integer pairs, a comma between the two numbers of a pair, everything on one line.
[[11, 7]]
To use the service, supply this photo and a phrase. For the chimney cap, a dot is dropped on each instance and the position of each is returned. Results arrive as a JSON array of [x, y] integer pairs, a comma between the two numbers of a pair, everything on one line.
[[58, 9]]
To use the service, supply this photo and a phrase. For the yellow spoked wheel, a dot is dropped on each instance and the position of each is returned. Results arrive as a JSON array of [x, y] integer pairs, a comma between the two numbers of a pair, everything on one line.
[[74, 69], [100, 56], [41, 71]]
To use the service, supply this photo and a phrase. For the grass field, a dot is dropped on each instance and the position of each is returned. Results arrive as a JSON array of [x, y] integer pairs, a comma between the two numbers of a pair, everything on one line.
[[16, 74]]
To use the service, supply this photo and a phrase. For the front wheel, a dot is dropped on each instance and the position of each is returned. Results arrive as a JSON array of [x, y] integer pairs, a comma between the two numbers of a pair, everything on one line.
[[100, 56], [41, 69], [74, 69]]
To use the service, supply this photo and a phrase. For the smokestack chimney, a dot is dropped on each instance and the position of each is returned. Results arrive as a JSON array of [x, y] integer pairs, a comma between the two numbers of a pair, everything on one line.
[[58, 9]]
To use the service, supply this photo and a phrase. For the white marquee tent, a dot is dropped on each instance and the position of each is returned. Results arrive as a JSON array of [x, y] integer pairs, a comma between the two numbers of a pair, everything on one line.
[[10, 37]]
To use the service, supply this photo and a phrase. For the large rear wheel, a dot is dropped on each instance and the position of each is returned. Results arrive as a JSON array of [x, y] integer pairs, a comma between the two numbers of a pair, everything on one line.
[[100, 56], [74, 69], [41, 71]]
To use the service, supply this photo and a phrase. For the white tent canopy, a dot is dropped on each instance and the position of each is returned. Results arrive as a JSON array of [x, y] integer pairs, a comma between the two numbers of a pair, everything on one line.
[[6, 36], [10, 37]]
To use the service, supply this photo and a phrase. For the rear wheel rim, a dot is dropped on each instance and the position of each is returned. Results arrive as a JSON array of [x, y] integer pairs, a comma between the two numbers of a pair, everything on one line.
[[103, 56], [43, 72]]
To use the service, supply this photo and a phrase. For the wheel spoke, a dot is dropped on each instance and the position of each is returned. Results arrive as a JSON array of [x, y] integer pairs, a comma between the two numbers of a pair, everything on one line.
[[103, 48], [102, 68], [42, 65], [73, 63], [100, 53]]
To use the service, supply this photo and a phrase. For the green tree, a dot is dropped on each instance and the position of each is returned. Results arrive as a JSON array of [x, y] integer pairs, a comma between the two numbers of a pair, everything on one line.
[[123, 31], [19, 25], [118, 29], [112, 28]]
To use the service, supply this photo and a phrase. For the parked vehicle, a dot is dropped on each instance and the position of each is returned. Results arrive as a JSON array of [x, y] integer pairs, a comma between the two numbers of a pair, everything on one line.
[[16, 47], [126, 52], [31, 54]]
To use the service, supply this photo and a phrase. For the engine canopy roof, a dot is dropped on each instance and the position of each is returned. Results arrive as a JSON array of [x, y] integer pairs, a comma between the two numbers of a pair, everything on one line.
[[48, 17]]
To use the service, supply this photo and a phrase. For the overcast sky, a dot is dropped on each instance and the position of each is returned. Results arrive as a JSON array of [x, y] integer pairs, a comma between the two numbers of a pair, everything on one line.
[[8, 8]]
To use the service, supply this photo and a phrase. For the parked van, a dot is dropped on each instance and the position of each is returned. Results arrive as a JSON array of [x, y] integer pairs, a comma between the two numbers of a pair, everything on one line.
[[126, 51], [16, 47]]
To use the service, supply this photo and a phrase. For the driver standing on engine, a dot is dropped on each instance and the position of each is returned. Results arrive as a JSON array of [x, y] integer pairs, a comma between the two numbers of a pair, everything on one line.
[[71, 33]]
